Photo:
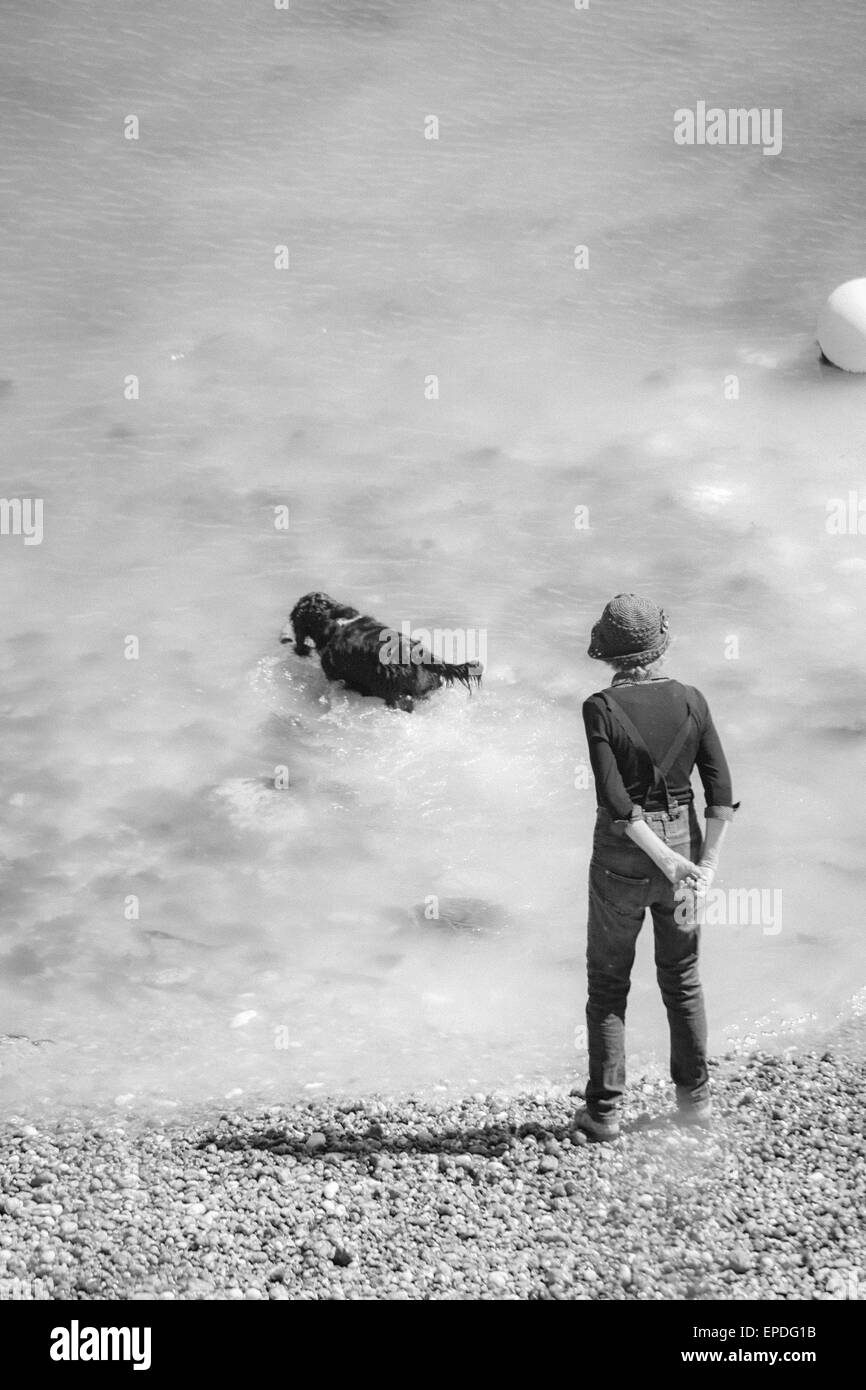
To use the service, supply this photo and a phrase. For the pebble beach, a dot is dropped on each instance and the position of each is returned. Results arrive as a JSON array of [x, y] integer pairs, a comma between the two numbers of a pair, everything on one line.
[[486, 1197]]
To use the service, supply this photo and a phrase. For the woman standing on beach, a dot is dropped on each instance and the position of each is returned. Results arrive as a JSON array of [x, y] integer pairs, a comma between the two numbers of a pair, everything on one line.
[[646, 734]]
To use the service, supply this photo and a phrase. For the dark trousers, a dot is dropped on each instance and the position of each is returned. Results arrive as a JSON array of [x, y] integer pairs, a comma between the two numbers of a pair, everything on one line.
[[623, 883]]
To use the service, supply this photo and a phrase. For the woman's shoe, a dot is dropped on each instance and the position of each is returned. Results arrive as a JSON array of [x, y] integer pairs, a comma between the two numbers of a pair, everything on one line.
[[696, 1113], [600, 1131]]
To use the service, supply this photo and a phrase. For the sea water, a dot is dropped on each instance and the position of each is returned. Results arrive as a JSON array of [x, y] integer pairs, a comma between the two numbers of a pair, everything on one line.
[[286, 299]]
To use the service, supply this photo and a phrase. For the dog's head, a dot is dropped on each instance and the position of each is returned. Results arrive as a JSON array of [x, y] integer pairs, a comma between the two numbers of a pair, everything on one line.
[[314, 618]]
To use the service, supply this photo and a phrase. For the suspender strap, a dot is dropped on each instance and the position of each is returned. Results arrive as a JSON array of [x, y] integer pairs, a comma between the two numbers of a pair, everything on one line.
[[631, 731]]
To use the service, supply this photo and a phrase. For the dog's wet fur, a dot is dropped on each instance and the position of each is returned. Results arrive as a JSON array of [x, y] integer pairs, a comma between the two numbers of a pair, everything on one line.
[[350, 649]]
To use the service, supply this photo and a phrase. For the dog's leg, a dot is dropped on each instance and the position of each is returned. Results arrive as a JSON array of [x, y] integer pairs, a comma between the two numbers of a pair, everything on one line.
[[405, 702], [296, 635]]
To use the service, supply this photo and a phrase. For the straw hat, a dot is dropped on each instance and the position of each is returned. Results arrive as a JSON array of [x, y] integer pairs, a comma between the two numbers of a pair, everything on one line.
[[630, 627]]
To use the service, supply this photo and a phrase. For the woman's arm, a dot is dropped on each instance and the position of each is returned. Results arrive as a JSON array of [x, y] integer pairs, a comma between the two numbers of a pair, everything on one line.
[[610, 790], [716, 778], [713, 838], [713, 767], [673, 865]]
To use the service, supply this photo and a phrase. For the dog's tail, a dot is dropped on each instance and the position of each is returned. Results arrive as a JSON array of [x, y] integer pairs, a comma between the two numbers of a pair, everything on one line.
[[464, 672]]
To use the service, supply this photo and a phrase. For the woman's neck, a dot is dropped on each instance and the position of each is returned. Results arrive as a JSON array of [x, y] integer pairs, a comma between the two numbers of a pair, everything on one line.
[[637, 680]]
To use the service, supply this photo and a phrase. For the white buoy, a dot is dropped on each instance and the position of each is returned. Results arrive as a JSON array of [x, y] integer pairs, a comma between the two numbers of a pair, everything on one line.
[[842, 327]]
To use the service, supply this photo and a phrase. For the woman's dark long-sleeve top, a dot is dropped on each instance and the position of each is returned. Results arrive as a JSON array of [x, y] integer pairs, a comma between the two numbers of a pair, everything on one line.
[[623, 774]]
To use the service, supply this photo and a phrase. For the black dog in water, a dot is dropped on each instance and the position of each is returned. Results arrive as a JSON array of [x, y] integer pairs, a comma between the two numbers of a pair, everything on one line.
[[368, 656]]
